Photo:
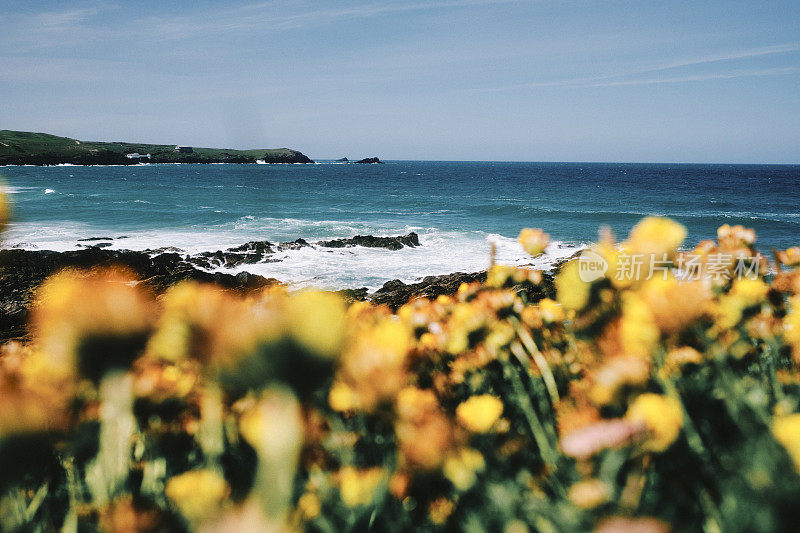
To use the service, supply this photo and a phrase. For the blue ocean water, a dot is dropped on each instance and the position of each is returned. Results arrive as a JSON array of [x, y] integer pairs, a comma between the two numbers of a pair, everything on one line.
[[456, 207]]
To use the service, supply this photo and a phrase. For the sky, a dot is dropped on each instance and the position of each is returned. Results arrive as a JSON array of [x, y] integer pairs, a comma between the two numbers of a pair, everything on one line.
[[504, 80]]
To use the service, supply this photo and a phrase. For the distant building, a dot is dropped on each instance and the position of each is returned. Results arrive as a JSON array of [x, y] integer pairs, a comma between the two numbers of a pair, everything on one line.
[[184, 149], [137, 156]]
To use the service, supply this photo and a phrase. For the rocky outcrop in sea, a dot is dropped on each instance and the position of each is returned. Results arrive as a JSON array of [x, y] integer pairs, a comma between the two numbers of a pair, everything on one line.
[[22, 271]]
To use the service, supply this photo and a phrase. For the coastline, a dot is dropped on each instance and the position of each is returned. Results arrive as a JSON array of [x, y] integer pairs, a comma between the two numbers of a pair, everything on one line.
[[22, 271]]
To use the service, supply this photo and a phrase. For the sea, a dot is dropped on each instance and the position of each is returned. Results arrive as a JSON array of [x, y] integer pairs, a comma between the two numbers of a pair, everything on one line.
[[460, 210]]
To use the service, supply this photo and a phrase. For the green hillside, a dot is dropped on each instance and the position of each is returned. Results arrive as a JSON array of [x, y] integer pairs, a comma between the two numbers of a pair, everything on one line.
[[27, 148]]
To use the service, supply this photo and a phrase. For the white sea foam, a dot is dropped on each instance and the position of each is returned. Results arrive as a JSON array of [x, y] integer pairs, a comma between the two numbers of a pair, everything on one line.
[[49, 191], [440, 251]]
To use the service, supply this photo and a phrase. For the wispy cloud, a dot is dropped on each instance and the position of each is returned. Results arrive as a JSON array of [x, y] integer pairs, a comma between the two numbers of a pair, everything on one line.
[[64, 18], [703, 77], [271, 15], [614, 79]]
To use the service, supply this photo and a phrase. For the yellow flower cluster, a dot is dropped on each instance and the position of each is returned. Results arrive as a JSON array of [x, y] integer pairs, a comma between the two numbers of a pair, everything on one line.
[[527, 402]]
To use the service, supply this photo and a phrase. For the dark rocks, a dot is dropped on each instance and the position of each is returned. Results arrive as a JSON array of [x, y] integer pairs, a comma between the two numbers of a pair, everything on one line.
[[369, 161], [396, 293], [21, 272], [343, 160], [294, 245], [369, 241]]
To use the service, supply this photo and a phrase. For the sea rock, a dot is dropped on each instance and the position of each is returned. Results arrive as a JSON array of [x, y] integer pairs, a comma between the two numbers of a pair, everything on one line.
[[343, 160], [395, 293], [369, 160], [294, 245], [21, 272], [369, 241]]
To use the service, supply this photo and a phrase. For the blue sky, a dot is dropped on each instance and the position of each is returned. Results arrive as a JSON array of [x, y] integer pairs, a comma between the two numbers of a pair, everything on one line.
[[413, 79]]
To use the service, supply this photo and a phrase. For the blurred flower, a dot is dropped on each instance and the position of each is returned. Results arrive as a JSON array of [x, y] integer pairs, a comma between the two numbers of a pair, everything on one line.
[[786, 430], [317, 321], [423, 431], [126, 516], [372, 369], [638, 331], [589, 493], [551, 311], [789, 257], [208, 324], [273, 425], [616, 373], [359, 486], [33, 395], [309, 506], [479, 413], [462, 467], [744, 294], [679, 357], [571, 291], [661, 415], [655, 235], [91, 320], [620, 524], [198, 494], [675, 304], [534, 241], [732, 237], [585, 442], [440, 510], [792, 327]]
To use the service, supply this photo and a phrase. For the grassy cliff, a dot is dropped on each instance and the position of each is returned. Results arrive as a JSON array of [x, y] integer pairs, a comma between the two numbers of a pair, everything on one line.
[[27, 148]]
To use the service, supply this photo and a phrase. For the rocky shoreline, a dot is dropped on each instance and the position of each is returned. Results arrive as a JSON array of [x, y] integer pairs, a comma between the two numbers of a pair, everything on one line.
[[21, 272]]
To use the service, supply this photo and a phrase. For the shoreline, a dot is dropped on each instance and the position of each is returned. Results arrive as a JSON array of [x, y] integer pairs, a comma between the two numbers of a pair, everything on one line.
[[22, 271]]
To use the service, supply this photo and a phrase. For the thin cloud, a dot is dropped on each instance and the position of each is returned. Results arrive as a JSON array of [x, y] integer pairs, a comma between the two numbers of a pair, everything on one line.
[[702, 77], [611, 79]]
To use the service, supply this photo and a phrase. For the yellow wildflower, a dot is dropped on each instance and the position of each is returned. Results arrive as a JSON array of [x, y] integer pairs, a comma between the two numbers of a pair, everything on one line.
[[534, 241], [309, 506], [615, 374], [273, 425], [792, 327], [551, 311], [655, 235], [374, 365], [203, 322], [790, 256], [423, 432], [675, 304], [198, 494], [786, 430], [744, 294], [317, 321], [589, 493], [479, 413], [638, 331], [498, 275], [342, 397], [732, 237], [359, 486], [571, 291], [77, 308], [462, 466], [440, 510], [661, 415]]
